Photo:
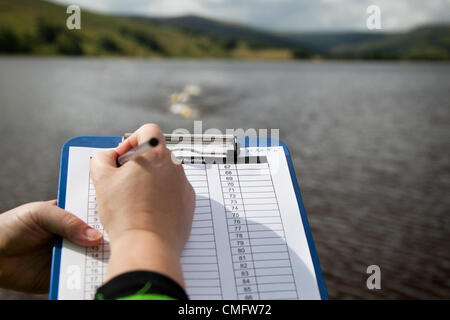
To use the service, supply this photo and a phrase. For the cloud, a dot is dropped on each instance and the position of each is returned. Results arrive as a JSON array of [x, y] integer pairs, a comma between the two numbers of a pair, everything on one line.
[[286, 14]]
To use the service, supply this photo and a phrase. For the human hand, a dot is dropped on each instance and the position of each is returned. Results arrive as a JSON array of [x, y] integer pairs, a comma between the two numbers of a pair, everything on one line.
[[146, 206], [26, 240]]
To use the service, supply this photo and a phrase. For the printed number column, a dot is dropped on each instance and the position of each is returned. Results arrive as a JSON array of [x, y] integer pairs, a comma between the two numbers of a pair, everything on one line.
[[272, 265], [242, 257], [94, 270]]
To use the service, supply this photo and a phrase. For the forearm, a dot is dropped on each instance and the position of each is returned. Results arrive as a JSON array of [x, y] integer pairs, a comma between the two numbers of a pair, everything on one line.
[[150, 221], [142, 250], [142, 267]]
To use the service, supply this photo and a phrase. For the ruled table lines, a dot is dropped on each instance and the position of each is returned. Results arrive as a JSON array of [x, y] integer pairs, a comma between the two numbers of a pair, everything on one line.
[[261, 262], [259, 253], [199, 257], [96, 258]]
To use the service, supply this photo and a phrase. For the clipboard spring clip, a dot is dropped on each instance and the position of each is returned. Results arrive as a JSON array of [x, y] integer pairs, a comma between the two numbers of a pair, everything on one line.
[[201, 145]]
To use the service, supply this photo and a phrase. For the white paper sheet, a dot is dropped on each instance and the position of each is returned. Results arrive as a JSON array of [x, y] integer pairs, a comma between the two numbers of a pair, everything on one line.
[[247, 239]]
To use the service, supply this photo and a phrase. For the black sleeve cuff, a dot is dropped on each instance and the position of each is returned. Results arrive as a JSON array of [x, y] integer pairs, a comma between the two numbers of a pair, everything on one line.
[[131, 283]]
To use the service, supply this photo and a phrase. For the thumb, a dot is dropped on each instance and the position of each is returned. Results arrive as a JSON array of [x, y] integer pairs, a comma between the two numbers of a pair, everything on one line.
[[58, 221]]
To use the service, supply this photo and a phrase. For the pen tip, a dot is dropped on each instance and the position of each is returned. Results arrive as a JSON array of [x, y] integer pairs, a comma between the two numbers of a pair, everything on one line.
[[153, 142]]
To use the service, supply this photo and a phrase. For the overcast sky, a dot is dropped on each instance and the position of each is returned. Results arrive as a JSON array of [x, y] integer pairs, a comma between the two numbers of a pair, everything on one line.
[[295, 15]]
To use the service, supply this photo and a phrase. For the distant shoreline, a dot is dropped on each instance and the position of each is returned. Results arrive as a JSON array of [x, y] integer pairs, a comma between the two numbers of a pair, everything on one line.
[[156, 58]]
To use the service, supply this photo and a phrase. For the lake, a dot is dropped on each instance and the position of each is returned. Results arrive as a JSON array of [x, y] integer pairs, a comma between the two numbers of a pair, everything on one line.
[[369, 141]]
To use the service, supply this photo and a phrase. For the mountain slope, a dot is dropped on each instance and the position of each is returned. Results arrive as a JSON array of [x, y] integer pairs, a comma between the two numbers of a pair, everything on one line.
[[38, 27], [429, 42], [426, 43], [326, 42], [229, 33]]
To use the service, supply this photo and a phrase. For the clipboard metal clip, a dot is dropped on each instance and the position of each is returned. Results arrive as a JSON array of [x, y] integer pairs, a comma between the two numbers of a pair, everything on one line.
[[201, 145]]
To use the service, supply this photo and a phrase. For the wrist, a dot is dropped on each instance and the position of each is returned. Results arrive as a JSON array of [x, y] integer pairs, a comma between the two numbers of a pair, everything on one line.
[[143, 250]]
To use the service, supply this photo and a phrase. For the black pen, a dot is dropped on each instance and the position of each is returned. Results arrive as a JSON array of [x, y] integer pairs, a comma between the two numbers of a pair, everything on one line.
[[137, 151]]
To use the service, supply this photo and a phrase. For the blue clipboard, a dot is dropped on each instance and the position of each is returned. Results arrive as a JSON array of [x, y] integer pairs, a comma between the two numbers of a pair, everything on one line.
[[112, 142]]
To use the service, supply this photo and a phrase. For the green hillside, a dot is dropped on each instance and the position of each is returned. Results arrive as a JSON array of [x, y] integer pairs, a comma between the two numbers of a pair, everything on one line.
[[429, 42], [425, 43], [39, 27], [326, 42], [229, 33], [232, 36]]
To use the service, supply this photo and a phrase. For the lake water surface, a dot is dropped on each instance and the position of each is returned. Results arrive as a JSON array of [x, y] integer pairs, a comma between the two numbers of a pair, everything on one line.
[[369, 141]]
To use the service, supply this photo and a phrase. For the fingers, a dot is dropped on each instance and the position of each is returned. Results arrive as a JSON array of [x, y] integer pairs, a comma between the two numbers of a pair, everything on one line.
[[58, 221], [101, 162], [153, 157], [141, 135]]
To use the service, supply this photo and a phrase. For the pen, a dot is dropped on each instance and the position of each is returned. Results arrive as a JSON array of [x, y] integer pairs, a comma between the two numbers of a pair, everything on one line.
[[137, 151]]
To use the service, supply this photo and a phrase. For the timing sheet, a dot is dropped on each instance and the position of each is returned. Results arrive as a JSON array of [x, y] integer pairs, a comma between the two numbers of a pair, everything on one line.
[[247, 239]]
